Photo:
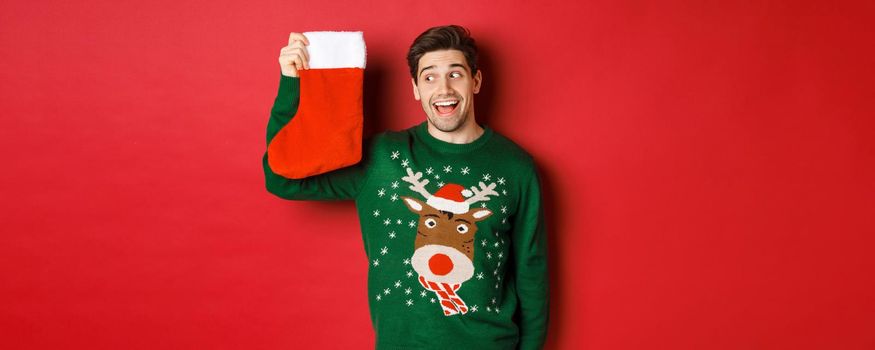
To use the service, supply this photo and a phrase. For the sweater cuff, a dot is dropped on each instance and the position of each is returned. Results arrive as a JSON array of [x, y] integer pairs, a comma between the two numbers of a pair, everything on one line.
[[286, 82], [286, 103]]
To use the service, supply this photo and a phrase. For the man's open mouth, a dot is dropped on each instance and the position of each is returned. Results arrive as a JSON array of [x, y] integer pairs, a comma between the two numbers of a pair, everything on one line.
[[445, 107]]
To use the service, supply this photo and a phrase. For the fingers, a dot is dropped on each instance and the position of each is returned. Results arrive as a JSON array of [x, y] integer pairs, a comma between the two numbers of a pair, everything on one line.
[[295, 57], [302, 51], [298, 42], [293, 60], [299, 64], [298, 37]]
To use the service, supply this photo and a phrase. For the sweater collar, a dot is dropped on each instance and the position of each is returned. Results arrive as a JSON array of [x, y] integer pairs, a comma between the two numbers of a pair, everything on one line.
[[421, 132]]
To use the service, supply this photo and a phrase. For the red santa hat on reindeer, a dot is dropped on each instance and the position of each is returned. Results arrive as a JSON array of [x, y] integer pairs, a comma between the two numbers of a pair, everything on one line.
[[451, 198]]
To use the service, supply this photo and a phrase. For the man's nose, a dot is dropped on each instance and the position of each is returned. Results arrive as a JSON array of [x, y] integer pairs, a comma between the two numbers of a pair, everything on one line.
[[444, 87]]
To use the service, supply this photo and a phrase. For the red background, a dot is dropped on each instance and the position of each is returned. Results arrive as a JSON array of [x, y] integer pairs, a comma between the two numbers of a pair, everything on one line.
[[708, 171]]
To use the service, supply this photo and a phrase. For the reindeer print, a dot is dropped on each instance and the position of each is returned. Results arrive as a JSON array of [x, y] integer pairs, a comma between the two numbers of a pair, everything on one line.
[[445, 236]]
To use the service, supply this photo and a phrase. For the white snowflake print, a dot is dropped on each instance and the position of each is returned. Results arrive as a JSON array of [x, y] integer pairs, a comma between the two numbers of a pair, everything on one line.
[[495, 245], [409, 302], [395, 154], [500, 255], [431, 300], [379, 297], [473, 308], [412, 223], [408, 291], [386, 291], [483, 243], [398, 222], [495, 272], [496, 286], [501, 181], [386, 222], [496, 309], [486, 177], [489, 255], [376, 262], [440, 184], [395, 184], [404, 163], [381, 192], [437, 176], [503, 209], [504, 192], [504, 220], [498, 265], [429, 170], [376, 213], [422, 293], [392, 234], [483, 205], [448, 169], [493, 300], [489, 309], [499, 277], [465, 171], [480, 275], [394, 197], [384, 250], [407, 261], [409, 274], [397, 283]]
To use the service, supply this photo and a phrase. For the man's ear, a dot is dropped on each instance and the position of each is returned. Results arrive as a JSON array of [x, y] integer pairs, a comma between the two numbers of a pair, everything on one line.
[[415, 90], [478, 78]]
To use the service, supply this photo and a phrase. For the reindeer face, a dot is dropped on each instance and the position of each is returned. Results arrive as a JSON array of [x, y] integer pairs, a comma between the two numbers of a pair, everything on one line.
[[444, 246]]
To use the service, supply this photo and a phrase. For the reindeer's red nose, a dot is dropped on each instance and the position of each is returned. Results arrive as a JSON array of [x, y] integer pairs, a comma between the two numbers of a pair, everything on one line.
[[440, 264]]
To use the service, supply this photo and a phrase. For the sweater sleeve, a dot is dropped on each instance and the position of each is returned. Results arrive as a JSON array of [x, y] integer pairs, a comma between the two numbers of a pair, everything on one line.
[[343, 183], [530, 257]]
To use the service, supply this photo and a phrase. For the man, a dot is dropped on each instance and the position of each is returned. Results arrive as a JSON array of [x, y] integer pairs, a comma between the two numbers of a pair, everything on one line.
[[450, 210]]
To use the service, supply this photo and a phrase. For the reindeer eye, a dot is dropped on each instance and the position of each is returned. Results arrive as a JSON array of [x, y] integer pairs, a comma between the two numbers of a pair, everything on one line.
[[462, 228], [430, 223]]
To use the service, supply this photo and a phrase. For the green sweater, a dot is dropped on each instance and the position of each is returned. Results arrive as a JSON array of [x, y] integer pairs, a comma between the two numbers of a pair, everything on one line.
[[446, 267]]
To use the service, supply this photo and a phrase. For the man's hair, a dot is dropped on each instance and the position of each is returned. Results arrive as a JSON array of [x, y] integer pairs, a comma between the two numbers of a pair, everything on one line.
[[450, 37]]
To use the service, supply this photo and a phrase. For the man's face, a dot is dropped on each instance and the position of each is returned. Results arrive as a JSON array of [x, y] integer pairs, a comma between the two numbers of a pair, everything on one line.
[[446, 89]]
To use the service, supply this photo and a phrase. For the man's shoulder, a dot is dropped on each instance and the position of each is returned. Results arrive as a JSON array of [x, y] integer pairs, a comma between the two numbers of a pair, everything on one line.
[[387, 141], [511, 150], [392, 136]]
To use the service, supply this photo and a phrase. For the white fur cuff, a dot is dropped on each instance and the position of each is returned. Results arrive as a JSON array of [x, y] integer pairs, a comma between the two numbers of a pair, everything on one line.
[[336, 49]]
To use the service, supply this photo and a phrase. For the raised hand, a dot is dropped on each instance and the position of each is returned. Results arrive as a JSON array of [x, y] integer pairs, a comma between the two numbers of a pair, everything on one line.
[[294, 56]]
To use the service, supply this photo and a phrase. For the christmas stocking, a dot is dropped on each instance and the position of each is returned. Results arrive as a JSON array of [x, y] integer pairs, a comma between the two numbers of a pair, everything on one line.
[[326, 132]]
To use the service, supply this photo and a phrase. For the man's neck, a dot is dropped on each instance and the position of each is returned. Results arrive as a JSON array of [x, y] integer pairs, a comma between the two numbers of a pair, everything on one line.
[[466, 134]]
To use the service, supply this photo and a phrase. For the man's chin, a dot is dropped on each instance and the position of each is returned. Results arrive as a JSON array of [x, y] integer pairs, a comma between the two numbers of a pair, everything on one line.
[[446, 124]]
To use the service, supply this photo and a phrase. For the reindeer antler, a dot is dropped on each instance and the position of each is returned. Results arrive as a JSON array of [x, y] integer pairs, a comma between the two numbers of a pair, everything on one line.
[[415, 184], [481, 194]]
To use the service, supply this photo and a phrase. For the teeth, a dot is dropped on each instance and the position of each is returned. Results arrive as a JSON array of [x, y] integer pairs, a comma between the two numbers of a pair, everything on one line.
[[446, 103]]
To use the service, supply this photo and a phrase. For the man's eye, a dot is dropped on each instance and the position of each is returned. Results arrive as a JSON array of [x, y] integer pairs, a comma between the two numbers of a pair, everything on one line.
[[456, 74], [429, 78]]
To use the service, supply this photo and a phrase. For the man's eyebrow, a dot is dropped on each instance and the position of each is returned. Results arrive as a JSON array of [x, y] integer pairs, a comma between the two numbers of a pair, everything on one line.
[[451, 66], [458, 65], [423, 70]]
